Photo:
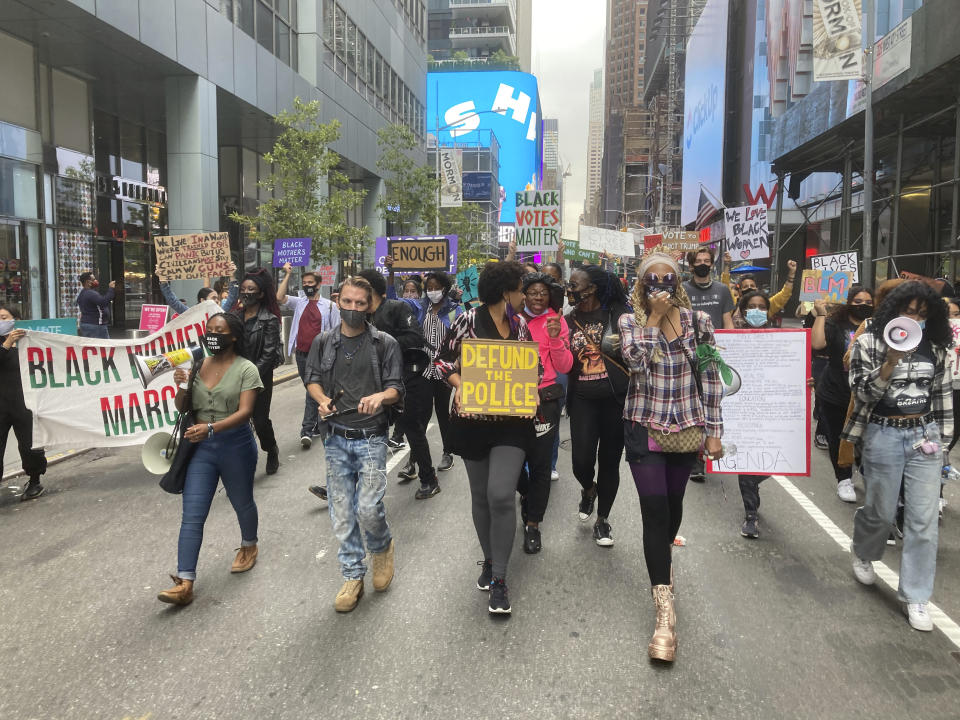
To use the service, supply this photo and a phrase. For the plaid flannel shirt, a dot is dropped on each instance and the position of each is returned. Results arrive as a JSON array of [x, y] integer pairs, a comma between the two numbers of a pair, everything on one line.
[[867, 355], [663, 393]]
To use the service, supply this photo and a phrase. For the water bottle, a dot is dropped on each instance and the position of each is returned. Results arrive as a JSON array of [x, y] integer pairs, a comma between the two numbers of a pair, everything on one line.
[[949, 473]]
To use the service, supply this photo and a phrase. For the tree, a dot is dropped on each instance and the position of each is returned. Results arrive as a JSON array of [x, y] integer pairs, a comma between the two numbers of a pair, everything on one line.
[[410, 200], [468, 224], [302, 163]]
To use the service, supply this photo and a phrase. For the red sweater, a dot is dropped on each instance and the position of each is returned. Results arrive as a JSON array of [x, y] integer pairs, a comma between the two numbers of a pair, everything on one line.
[[554, 352]]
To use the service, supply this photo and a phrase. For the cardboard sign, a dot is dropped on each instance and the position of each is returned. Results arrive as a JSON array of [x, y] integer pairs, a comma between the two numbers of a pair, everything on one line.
[[573, 251], [538, 220], [295, 251], [748, 237], [610, 241], [499, 377], [153, 317], [382, 250], [193, 257], [419, 253], [773, 366], [58, 326], [829, 285], [327, 275], [847, 262]]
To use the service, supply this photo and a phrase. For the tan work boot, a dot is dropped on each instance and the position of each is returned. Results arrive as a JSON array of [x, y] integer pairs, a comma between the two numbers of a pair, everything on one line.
[[246, 559], [349, 596], [383, 568], [663, 645], [180, 594]]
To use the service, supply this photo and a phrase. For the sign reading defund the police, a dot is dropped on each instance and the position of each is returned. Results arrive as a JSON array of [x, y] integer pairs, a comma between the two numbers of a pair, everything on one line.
[[538, 220], [499, 377], [89, 392]]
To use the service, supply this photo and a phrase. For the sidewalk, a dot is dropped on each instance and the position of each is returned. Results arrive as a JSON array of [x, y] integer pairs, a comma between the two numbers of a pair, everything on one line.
[[11, 456]]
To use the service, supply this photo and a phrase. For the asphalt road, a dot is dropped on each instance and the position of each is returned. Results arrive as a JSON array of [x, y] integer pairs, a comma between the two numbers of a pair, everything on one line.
[[775, 627]]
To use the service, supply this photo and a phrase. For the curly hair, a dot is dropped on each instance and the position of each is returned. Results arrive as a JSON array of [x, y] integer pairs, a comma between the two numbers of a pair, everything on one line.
[[841, 314], [610, 290], [937, 329], [749, 295], [496, 278], [236, 328], [446, 282], [376, 280]]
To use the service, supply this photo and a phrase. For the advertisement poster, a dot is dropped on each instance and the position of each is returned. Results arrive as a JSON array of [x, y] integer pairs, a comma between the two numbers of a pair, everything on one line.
[[837, 40], [451, 177], [58, 326], [538, 220], [153, 317]]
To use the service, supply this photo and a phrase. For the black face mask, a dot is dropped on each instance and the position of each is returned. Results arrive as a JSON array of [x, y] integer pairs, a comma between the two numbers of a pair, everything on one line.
[[354, 318], [218, 342], [701, 271], [310, 290], [247, 299], [860, 312]]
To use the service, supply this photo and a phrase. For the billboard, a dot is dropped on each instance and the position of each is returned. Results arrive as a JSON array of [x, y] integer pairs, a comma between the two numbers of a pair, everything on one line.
[[703, 108], [463, 106], [477, 185]]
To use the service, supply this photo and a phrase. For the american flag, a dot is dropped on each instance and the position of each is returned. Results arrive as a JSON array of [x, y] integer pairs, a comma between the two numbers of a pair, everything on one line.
[[706, 210]]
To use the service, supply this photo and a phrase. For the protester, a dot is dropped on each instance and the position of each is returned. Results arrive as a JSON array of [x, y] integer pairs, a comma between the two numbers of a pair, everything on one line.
[[312, 314], [261, 345], [357, 367], [659, 343], [555, 270], [832, 335], [597, 388], [493, 448], [748, 283], [222, 397], [13, 412], [94, 307], [225, 301], [412, 289], [902, 418], [553, 335]]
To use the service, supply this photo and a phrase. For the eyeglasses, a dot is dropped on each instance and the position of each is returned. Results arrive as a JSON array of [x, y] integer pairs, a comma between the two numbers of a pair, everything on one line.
[[654, 279], [537, 293]]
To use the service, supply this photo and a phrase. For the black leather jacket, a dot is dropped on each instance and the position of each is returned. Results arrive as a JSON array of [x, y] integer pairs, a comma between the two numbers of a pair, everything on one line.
[[261, 341]]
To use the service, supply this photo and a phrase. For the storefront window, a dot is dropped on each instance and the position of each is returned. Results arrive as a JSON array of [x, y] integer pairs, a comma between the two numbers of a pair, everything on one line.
[[20, 276]]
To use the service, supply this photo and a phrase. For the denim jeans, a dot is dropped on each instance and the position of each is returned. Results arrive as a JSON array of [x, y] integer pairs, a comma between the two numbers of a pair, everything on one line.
[[93, 331], [888, 458], [230, 456], [311, 412], [356, 483]]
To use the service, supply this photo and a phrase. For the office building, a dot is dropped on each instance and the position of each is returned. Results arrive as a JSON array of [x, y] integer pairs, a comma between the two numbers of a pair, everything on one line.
[[594, 148], [477, 32]]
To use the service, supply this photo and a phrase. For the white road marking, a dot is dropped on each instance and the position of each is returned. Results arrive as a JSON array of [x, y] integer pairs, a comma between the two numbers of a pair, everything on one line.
[[947, 626], [399, 456]]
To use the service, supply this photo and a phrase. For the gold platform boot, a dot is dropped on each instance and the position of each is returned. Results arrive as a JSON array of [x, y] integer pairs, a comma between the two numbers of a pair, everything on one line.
[[663, 645]]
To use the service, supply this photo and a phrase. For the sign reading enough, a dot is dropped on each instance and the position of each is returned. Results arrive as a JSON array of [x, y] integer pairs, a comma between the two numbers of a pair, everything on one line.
[[499, 377], [419, 253], [193, 257]]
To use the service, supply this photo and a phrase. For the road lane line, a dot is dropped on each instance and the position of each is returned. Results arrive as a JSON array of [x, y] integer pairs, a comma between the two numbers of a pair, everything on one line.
[[397, 457], [947, 626]]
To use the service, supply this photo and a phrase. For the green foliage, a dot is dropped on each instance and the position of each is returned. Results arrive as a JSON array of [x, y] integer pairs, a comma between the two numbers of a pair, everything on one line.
[[460, 55], [468, 224], [410, 200], [303, 163]]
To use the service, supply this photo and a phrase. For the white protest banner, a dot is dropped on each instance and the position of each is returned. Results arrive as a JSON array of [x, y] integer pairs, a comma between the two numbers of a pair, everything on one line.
[[604, 240], [837, 42], [538, 220], [847, 262], [773, 366], [451, 177], [88, 392], [748, 237]]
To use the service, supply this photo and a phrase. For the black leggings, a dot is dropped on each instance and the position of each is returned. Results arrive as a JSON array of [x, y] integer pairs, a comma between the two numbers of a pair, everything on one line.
[[261, 415], [20, 419], [535, 480], [596, 438], [832, 418], [417, 405]]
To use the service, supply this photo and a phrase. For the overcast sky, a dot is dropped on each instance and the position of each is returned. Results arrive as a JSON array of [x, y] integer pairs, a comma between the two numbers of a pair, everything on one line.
[[567, 48]]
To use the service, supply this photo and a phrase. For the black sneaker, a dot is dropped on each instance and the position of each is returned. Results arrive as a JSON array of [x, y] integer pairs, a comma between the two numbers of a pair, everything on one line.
[[698, 476], [750, 528], [446, 462], [427, 490], [486, 575], [408, 472], [602, 533], [531, 540], [891, 539], [33, 490], [396, 443], [821, 442], [499, 598], [898, 526], [319, 490], [587, 500], [273, 460], [523, 511]]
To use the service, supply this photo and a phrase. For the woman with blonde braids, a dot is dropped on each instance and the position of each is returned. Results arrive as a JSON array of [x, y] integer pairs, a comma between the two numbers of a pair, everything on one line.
[[661, 342]]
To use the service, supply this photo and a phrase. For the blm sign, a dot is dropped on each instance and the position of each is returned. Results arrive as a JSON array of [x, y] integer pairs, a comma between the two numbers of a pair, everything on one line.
[[538, 220]]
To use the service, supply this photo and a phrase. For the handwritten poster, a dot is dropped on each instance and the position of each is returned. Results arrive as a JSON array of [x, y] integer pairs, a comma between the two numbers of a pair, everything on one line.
[[467, 281], [773, 366], [327, 275], [193, 257], [499, 377], [830, 285], [748, 237], [538, 220], [295, 251], [847, 262], [383, 249], [419, 253], [604, 240]]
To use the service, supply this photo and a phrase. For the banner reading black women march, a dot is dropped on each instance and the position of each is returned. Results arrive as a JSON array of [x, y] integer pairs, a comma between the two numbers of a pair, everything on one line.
[[91, 393]]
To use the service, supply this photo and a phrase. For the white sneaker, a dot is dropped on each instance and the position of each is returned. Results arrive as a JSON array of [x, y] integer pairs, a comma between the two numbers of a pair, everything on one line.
[[846, 491], [917, 616], [554, 476], [863, 569]]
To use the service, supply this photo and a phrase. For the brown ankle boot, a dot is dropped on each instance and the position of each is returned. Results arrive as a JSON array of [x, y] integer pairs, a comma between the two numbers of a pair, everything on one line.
[[180, 594], [663, 645], [383, 568], [246, 559]]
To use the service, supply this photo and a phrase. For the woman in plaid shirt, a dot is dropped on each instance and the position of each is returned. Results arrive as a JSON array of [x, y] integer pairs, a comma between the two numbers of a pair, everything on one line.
[[659, 344]]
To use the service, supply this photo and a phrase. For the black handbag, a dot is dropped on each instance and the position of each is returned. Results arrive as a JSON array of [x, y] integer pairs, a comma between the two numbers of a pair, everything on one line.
[[182, 449]]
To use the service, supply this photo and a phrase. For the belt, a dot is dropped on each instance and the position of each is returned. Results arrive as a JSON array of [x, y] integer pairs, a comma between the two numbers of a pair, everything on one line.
[[902, 423], [357, 433]]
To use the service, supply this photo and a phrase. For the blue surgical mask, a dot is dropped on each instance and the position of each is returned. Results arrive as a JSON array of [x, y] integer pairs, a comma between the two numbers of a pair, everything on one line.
[[922, 324], [756, 317]]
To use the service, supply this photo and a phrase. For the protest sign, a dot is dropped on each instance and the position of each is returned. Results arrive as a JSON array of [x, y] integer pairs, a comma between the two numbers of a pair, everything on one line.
[[58, 326], [467, 281], [573, 251], [672, 240], [153, 317], [538, 220], [192, 257], [88, 392], [420, 254], [847, 262], [328, 275], [385, 245], [499, 377], [773, 366], [748, 237], [613, 242], [451, 177], [295, 251], [829, 285], [837, 42]]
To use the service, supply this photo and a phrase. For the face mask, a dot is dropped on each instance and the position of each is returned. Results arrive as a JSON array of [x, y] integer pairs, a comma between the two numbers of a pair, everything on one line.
[[435, 296], [922, 324], [532, 314], [6, 327], [248, 299], [701, 271], [218, 342], [353, 318], [661, 287], [310, 290], [94, 283], [860, 312], [756, 317]]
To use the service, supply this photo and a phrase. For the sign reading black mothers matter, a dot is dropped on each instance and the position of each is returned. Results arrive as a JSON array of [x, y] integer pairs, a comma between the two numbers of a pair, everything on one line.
[[419, 253], [538, 220], [748, 237], [192, 257]]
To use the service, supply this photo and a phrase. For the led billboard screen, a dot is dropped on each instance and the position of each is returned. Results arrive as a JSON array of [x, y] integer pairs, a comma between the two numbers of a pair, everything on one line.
[[462, 106]]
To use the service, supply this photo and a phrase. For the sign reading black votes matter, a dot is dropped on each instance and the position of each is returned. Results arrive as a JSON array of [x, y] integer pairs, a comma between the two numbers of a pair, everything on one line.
[[193, 257]]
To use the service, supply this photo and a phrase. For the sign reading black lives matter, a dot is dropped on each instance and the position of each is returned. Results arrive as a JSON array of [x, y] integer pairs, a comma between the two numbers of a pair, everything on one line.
[[420, 253], [847, 262], [748, 237]]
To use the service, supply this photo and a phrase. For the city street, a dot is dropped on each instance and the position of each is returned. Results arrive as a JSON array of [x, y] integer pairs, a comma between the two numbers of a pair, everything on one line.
[[775, 627]]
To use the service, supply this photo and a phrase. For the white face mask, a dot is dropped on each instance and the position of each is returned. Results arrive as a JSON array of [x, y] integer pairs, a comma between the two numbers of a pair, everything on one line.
[[6, 327], [435, 296]]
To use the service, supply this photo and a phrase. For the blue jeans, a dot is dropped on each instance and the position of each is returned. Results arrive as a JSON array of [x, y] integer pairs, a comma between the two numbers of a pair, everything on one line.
[[230, 456], [93, 331], [311, 412], [888, 459], [356, 483]]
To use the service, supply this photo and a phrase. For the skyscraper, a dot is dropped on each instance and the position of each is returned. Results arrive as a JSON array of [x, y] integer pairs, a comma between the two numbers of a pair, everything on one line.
[[594, 148]]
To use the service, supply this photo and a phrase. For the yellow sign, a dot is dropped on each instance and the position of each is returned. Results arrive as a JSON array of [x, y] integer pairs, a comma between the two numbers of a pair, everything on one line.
[[499, 377]]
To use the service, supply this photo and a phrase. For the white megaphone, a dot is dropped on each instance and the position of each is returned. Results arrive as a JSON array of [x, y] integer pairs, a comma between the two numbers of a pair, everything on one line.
[[157, 453], [150, 367], [903, 334], [734, 386]]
